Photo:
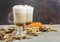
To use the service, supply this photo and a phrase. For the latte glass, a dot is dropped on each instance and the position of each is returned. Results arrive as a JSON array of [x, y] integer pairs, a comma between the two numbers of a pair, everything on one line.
[[22, 14]]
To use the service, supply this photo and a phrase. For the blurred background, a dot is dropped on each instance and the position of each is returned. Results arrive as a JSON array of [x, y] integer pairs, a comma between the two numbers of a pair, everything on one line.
[[46, 11]]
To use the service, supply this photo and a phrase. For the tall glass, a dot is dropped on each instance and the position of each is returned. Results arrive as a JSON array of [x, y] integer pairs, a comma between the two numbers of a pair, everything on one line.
[[19, 17]]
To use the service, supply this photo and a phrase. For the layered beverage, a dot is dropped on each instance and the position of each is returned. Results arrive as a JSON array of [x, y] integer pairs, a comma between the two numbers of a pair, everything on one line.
[[19, 14]]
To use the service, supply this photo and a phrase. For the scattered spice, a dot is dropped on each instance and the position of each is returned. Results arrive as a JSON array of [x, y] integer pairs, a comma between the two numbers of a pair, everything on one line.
[[36, 24]]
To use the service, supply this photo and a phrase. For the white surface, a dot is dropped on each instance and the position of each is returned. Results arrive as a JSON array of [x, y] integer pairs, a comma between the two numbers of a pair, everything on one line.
[[44, 37], [5, 26]]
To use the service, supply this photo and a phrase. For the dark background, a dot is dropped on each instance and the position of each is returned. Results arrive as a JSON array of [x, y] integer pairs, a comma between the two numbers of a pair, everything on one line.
[[46, 11]]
